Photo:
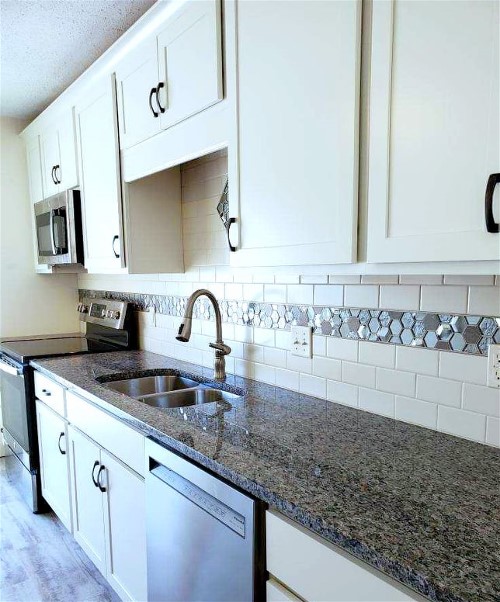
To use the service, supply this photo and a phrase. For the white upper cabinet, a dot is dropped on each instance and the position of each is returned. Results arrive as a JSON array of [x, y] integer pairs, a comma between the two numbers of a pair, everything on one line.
[[190, 61], [298, 91], [172, 75], [35, 174], [97, 134], [434, 130], [137, 81], [59, 154]]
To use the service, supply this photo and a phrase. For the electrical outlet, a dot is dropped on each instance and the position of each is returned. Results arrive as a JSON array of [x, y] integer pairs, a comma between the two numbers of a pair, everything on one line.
[[494, 366], [301, 341]]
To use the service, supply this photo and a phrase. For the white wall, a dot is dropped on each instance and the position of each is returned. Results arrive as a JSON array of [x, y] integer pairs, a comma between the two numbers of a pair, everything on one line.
[[30, 303]]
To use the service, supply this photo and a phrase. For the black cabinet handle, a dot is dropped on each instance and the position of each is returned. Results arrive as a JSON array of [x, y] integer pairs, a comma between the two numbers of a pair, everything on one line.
[[94, 480], [157, 92], [99, 484], [56, 167], [59, 444], [52, 173], [115, 238], [230, 221], [47, 393], [153, 91], [491, 225]]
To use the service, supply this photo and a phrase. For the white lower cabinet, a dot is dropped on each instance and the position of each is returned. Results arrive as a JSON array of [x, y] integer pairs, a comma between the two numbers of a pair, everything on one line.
[[315, 570], [54, 468], [109, 515]]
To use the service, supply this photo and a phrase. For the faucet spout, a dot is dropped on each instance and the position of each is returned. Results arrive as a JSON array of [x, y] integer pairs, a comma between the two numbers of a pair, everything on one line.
[[184, 334]]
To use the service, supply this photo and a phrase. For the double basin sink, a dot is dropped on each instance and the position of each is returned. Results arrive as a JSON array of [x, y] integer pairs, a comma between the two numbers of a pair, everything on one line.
[[169, 391]]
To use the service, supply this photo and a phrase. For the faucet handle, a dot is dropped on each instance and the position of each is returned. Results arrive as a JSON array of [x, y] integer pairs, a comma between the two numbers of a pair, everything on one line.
[[222, 347]]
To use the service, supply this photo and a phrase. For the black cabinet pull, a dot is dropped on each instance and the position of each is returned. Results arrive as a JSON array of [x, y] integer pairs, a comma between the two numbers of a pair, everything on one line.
[[52, 173], [491, 225], [59, 444], [94, 480], [158, 88], [58, 179], [230, 221], [153, 91], [115, 238], [99, 484]]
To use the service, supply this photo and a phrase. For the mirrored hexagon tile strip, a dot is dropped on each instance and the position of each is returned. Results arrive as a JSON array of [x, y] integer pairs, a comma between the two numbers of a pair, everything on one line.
[[448, 332]]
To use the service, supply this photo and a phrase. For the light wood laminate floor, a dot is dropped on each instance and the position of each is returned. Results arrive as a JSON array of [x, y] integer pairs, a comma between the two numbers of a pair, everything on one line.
[[40, 561]]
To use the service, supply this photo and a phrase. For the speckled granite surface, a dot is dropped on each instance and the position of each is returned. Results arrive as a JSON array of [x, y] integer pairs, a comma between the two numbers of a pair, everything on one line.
[[422, 506]]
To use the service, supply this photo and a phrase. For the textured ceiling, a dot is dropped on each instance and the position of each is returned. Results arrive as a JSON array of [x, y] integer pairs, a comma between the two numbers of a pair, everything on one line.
[[46, 45]]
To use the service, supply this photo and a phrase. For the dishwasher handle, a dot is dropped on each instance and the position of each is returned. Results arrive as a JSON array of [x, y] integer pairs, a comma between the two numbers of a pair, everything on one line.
[[211, 505]]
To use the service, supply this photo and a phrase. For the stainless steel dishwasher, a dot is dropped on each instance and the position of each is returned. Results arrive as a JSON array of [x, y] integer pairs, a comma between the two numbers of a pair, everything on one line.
[[205, 540]]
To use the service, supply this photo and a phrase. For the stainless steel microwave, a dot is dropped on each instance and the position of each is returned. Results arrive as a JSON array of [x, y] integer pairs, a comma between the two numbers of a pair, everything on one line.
[[59, 229]]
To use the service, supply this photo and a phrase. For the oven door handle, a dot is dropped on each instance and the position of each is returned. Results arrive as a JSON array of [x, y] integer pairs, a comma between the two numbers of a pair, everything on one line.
[[5, 367]]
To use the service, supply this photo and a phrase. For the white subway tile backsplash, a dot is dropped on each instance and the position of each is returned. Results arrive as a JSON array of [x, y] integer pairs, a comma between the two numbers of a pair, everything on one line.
[[382, 279], [493, 431], [243, 333], [284, 278], [343, 393], [223, 274], [358, 374], [420, 361], [458, 366], [462, 423], [300, 364], [264, 373], [263, 277], [365, 296], [253, 353], [400, 297], [450, 299], [319, 345], [484, 300], [308, 279], [301, 294], [439, 390], [282, 339], [342, 349], [244, 368], [395, 381], [275, 357], [233, 291], [275, 293], [376, 401], [477, 279], [420, 279], [484, 400], [416, 412], [344, 279], [376, 354], [327, 368], [288, 379], [253, 292], [313, 385], [263, 336], [329, 294]]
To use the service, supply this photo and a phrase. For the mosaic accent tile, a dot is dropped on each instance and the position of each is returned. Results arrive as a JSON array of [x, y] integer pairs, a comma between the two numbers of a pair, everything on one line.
[[454, 333]]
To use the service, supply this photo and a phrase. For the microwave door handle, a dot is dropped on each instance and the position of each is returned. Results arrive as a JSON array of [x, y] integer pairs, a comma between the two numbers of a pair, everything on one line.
[[52, 238]]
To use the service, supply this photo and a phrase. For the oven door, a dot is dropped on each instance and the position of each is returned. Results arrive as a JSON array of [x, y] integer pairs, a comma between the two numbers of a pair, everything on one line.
[[14, 404]]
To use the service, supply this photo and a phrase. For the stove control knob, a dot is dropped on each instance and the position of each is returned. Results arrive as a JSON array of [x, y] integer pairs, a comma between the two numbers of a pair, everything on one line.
[[103, 313], [83, 309], [116, 315], [109, 313]]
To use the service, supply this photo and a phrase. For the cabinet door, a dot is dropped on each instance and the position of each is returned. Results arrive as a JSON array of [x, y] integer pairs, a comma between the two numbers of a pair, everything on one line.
[[88, 516], [35, 174], [136, 80], [67, 172], [51, 160], [125, 520], [54, 465], [97, 134], [434, 123], [298, 80], [190, 61]]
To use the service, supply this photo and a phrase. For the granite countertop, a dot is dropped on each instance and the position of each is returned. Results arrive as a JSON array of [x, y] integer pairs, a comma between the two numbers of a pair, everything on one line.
[[421, 506]]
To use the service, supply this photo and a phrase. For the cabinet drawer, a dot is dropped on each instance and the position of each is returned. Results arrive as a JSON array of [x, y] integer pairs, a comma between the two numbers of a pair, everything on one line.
[[111, 434], [316, 571], [51, 393]]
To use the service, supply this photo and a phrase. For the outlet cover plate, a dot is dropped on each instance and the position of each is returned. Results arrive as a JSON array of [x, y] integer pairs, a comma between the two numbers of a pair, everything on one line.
[[301, 341], [494, 366]]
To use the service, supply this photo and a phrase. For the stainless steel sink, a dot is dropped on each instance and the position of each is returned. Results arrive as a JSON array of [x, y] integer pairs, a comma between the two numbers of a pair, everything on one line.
[[187, 397], [149, 385]]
